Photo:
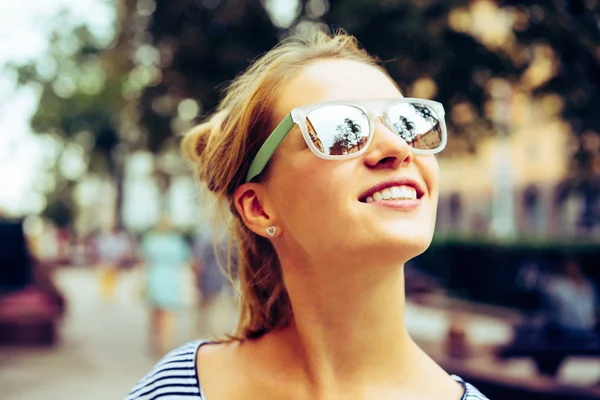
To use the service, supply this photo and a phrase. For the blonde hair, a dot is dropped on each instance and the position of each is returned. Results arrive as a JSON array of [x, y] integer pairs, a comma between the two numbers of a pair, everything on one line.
[[222, 148]]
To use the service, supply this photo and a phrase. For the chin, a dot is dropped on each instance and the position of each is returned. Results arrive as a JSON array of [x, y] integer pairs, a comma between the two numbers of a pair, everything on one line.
[[410, 249], [408, 245]]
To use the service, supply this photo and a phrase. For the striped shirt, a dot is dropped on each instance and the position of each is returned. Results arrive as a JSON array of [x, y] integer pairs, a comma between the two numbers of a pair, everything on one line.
[[175, 378]]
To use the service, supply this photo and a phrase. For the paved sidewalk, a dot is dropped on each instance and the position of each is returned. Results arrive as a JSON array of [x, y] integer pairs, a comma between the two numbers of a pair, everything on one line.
[[103, 349]]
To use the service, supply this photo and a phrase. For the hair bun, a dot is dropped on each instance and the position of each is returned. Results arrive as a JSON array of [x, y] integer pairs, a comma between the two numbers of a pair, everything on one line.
[[196, 143]]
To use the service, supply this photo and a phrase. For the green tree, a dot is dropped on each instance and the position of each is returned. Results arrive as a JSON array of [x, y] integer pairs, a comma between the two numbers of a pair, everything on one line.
[[202, 46], [82, 82], [349, 136]]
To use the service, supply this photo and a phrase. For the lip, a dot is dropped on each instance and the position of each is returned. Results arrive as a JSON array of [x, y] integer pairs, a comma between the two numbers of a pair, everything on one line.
[[402, 205], [391, 183]]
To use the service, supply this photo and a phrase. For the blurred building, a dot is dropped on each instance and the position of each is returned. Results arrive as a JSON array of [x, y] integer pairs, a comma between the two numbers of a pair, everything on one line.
[[529, 160], [539, 150]]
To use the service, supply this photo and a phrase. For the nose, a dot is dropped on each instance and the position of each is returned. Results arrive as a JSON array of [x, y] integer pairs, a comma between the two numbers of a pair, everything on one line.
[[387, 149]]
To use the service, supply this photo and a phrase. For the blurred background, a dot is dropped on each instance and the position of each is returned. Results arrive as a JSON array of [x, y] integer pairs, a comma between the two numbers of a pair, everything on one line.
[[94, 98]]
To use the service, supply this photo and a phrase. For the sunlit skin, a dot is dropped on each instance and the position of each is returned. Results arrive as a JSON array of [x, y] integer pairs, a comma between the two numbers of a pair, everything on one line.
[[342, 261]]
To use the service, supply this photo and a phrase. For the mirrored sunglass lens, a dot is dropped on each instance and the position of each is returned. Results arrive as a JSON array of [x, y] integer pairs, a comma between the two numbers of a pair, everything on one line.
[[338, 129], [416, 123]]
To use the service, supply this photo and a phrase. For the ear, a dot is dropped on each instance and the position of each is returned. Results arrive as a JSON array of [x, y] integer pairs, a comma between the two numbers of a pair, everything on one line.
[[252, 204]]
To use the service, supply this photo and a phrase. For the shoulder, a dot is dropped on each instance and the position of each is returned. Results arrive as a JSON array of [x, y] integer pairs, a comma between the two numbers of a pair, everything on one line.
[[173, 377], [471, 392]]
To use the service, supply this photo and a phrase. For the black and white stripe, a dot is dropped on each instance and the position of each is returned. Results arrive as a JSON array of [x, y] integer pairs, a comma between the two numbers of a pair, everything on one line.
[[175, 378], [471, 392]]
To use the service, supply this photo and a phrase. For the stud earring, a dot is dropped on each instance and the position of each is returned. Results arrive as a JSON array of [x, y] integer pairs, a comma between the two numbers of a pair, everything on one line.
[[271, 230]]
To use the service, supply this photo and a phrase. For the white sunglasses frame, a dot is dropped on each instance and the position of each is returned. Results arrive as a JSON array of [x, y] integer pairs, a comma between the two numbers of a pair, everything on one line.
[[372, 108]]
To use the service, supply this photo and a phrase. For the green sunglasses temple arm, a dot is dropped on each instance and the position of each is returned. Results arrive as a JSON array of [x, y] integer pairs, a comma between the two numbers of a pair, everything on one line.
[[269, 146]]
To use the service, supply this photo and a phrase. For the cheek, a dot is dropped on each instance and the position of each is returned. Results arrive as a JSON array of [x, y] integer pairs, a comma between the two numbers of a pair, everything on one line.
[[430, 171], [433, 182], [308, 189], [295, 190]]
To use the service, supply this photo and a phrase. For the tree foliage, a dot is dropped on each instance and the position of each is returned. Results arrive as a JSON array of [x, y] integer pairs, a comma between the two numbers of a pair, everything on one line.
[[203, 45], [570, 30], [80, 82]]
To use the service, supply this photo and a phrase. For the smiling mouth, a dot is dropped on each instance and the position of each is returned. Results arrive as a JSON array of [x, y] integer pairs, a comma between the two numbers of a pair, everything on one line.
[[399, 192]]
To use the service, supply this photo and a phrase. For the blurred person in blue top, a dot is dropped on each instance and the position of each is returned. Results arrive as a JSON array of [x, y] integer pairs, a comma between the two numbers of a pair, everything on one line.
[[572, 301], [166, 255]]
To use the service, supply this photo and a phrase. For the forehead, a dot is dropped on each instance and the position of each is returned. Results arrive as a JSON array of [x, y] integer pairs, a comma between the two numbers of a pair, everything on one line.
[[329, 80]]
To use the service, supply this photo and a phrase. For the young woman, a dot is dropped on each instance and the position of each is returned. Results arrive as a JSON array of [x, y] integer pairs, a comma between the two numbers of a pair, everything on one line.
[[332, 181]]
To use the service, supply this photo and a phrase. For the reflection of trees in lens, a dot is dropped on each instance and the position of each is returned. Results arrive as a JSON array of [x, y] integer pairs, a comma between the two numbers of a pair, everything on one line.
[[428, 138], [406, 128], [432, 138], [426, 112], [348, 139]]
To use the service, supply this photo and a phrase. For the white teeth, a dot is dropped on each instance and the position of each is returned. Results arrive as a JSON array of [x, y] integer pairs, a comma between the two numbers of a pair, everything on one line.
[[394, 193]]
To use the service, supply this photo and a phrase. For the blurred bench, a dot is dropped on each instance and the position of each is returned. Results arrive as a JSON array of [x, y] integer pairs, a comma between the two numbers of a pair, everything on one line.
[[30, 304], [549, 348], [28, 317], [496, 385]]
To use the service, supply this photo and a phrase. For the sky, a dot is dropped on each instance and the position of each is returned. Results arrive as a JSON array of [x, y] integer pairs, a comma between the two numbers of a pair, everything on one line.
[[24, 34]]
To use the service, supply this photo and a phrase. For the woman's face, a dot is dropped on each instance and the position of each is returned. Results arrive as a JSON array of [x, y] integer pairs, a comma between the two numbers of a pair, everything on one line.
[[320, 206]]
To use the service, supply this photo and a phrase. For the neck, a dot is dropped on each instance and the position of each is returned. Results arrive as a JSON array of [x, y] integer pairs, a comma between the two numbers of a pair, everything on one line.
[[350, 327]]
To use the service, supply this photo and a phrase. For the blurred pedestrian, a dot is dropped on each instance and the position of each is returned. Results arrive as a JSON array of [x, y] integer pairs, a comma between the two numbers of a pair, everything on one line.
[[113, 246], [211, 264], [572, 301], [166, 254]]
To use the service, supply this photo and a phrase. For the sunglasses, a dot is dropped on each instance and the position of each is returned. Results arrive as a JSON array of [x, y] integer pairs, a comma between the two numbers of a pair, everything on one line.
[[342, 130]]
